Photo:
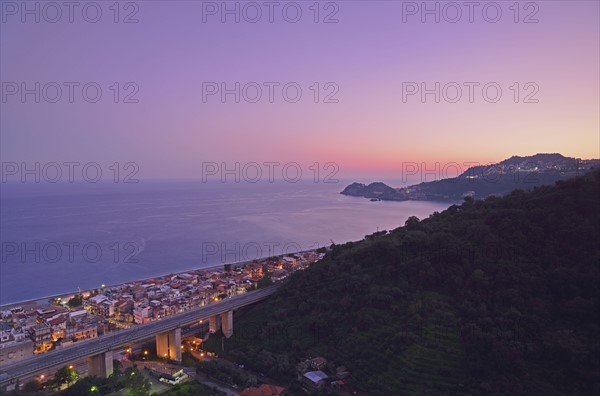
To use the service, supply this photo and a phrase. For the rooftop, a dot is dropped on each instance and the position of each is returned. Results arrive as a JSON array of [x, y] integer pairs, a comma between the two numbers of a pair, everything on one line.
[[315, 376]]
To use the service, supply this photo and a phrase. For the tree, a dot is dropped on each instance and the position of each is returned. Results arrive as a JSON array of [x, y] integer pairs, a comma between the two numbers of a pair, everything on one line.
[[117, 366], [193, 389], [75, 301], [412, 222], [54, 301], [32, 386], [65, 375], [265, 280], [135, 383]]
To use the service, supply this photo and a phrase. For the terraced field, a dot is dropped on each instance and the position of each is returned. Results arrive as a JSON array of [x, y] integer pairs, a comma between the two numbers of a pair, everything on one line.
[[433, 364]]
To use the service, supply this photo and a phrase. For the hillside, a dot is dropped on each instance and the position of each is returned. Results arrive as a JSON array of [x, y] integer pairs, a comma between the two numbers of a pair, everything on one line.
[[483, 180], [491, 297]]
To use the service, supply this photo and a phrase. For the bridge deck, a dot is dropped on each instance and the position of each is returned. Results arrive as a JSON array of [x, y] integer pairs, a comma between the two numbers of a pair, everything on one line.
[[121, 338]]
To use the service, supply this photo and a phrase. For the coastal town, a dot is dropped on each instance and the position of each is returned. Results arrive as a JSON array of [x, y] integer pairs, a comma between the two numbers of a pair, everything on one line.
[[31, 329]]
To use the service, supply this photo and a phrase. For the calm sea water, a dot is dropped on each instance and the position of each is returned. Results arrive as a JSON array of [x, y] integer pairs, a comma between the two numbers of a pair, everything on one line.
[[58, 238]]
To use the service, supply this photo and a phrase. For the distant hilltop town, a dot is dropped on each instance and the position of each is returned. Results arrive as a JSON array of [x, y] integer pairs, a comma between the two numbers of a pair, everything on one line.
[[483, 180], [32, 329]]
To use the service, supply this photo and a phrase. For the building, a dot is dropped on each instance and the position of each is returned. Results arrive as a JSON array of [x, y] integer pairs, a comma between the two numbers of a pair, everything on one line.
[[81, 332], [58, 325], [12, 351], [41, 335], [142, 314], [318, 363], [5, 333], [75, 314], [139, 292], [314, 379], [101, 305], [171, 377]]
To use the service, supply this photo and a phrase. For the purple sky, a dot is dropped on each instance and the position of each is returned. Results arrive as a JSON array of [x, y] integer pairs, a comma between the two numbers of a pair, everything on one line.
[[368, 56]]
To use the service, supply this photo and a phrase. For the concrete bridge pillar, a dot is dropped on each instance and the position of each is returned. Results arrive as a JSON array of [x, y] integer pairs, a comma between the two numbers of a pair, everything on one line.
[[168, 345], [101, 365], [227, 323], [214, 323]]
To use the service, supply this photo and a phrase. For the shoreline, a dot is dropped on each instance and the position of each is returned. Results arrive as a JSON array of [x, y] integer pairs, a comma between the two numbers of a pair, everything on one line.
[[38, 301]]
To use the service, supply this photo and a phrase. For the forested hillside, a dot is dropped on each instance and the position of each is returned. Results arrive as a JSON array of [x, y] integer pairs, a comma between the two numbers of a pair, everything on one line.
[[491, 297]]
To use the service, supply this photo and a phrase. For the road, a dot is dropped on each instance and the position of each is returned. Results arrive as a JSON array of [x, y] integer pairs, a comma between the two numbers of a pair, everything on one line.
[[122, 338]]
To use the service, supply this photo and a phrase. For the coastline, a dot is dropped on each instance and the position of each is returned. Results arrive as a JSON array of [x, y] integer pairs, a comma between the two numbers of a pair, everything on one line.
[[39, 301]]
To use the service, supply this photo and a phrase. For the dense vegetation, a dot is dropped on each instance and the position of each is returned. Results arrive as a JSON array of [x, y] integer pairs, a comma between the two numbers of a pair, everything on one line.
[[491, 297], [226, 372], [192, 389], [130, 381]]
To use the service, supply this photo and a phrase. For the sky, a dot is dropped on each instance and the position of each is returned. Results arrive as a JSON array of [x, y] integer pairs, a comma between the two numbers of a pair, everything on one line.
[[360, 68]]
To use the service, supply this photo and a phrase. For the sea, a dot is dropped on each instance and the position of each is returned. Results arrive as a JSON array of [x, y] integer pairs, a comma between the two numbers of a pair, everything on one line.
[[60, 238]]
